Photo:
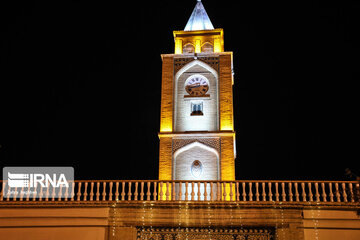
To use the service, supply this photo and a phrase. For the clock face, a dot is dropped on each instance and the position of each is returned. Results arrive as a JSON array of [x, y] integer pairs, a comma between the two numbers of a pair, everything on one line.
[[197, 86]]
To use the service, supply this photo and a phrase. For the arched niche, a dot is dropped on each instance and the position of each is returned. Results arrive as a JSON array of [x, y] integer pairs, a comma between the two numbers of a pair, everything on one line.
[[184, 120], [185, 158], [207, 47], [188, 48]]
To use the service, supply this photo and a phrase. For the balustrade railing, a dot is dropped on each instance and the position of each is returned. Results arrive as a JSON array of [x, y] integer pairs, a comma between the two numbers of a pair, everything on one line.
[[156, 190]]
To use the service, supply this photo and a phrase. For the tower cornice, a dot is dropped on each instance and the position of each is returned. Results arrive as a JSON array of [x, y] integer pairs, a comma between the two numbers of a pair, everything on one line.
[[197, 134]]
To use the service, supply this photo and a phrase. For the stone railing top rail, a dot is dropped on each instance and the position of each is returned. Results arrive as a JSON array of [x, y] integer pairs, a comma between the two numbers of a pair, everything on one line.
[[247, 191]]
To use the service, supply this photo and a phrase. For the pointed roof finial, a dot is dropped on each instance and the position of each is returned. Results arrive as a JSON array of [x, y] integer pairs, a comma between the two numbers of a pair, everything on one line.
[[199, 20]]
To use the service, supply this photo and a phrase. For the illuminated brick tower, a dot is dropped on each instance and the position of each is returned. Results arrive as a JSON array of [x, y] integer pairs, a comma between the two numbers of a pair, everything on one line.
[[197, 138]]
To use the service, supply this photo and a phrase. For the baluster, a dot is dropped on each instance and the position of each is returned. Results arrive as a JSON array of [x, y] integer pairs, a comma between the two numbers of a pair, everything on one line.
[[337, 192], [250, 192], [344, 192], [142, 192], [167, 191], [78, 193], [104, 191], [323, 192], [117, 191], [192, 191], [123, 192], [53, 192], [237, 191], [15, 194], [270, 192], [199, 192], [283, 193], [155, 191], [136, 191], [317, 192], [34, 193], [310, 193], [205, 192], [224, 187], [27, 195], [161, 191], [40, 194], [173, 195], [8, 193], [148, 194], [72, 191], [66, 195], [277, 195], [351, 192], [297, 196], [257, 191], [2, 191], [180, 191], [129, 192], [290, 192], [303, 192], [22, 194], [211, 191], [231, 192], [244, 191], [92, 191], [331, 193], [218, 191], [59, 195], [98, 191], [263, 191], [85, 191], [186, 191], [110, 190]]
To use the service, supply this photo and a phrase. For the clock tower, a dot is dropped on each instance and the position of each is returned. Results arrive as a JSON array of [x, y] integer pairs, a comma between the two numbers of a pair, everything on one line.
[[197, 138]]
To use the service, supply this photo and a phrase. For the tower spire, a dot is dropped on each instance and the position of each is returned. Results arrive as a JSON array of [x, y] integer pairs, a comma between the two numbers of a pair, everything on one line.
[[199, 20]]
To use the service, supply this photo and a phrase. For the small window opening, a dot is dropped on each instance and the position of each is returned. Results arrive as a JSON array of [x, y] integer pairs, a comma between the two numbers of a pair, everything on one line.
[[196, 109]]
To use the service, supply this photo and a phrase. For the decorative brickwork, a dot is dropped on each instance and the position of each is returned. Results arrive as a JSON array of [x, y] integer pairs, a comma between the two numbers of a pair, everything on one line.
[[180, 62], [192, 233], [213, 142], [213, 61]]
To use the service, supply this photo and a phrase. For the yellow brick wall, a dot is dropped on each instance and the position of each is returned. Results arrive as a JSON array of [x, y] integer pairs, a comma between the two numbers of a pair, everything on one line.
[[226, 95], [166, 116], [227, 158], [165, 158]]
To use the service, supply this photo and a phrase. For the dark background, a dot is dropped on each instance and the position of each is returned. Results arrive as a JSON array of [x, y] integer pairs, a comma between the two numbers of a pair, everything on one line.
[[80, 85]]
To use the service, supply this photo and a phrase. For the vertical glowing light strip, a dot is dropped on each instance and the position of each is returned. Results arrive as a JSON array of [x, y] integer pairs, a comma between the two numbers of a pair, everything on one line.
[[178, 46], [217, 45], [197, 46]]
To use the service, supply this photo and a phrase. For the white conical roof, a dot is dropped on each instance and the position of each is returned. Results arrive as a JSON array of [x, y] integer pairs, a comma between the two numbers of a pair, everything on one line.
[[199, 20]]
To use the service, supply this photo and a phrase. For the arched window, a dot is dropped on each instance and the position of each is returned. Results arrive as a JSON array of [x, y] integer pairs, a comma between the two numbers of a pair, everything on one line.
[[188, 48], [207, 47]]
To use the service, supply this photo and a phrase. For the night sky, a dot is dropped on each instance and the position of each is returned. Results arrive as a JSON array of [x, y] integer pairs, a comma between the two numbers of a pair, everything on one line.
[[80, 85]]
